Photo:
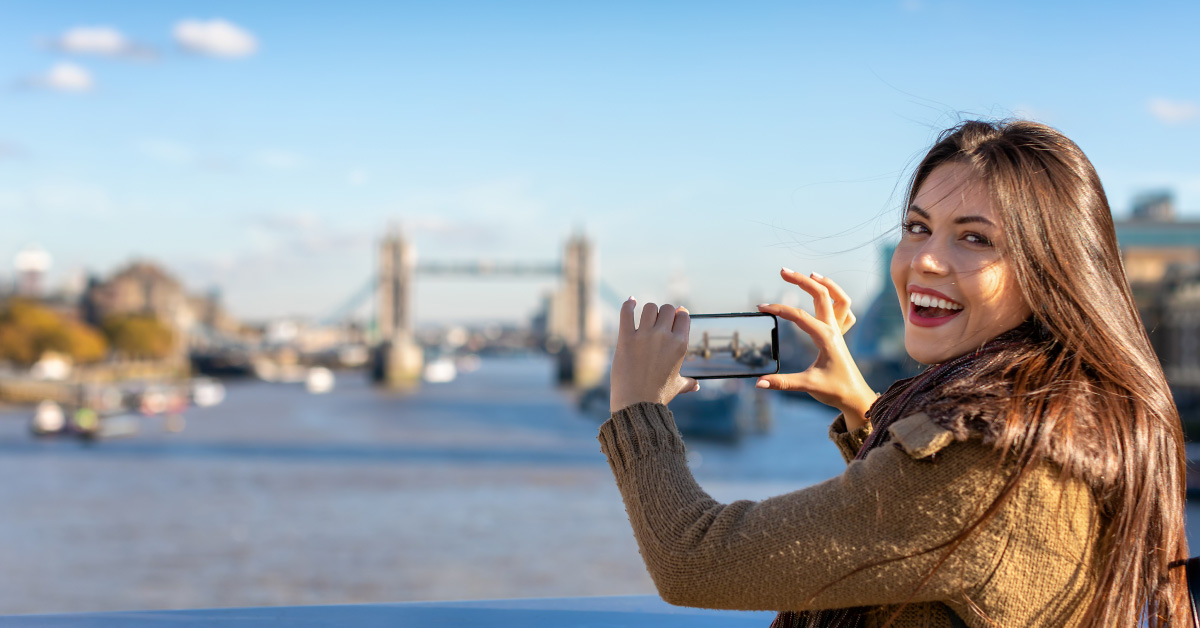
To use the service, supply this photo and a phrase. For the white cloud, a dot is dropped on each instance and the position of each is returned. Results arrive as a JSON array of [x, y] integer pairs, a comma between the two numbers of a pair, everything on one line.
[[64, 77], [1173, 111], [216, 38], [99, 40]]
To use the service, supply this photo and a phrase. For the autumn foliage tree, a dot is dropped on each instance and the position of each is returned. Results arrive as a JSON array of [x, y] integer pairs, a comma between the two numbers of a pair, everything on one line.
[[139, 336], [28, 330]]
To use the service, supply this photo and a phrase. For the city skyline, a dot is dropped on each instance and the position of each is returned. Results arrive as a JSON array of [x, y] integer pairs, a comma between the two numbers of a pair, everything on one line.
[[266, 152]]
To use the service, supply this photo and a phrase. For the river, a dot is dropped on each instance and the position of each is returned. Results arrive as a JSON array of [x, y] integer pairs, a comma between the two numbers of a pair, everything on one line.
[[490, 486]]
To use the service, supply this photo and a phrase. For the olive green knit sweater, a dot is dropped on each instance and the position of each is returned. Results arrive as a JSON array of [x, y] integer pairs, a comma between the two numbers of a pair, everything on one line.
[[862, 538]]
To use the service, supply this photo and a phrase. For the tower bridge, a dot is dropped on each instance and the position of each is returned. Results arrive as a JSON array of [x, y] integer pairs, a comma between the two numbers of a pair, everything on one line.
[[573, 316]]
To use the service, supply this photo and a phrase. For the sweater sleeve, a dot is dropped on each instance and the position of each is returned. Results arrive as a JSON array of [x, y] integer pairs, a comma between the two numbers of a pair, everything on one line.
[[862, 538], [848, 441]]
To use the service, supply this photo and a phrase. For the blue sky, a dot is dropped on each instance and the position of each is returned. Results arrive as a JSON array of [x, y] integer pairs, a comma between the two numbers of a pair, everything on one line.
[[709, 141]]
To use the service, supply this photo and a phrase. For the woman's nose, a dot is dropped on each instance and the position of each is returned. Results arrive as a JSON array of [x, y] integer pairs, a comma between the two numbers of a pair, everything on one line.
[[930, 259]]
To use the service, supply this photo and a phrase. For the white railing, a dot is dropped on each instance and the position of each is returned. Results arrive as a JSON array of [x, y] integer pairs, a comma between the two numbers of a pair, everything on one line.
[[581, 612]]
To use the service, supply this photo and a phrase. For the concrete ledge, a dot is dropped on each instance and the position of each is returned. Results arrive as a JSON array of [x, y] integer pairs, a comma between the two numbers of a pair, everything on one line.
[[581, 612]]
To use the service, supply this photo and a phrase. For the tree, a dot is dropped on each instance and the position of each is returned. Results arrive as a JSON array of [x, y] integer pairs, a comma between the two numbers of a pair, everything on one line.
[[139, 336], [27, 330]]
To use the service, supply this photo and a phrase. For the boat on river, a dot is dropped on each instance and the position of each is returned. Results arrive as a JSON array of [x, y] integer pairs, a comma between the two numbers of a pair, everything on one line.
[[723, 409]]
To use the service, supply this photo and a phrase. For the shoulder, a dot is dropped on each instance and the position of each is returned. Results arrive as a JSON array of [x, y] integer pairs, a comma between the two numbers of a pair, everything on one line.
[[919, 436]]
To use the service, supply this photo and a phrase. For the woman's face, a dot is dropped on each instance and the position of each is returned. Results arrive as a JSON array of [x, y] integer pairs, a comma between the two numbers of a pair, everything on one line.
[[955, 286]]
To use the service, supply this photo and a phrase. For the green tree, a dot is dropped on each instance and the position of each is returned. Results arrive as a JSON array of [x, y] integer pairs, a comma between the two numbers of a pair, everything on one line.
[[139, 336]]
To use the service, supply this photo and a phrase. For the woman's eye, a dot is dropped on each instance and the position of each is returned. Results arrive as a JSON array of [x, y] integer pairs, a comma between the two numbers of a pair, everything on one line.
[[975, 238], [914, 227]]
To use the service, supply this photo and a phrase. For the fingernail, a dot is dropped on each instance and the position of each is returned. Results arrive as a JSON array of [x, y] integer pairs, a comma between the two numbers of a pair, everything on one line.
[[697, 387], [632, 299], [787, 270], [762, 383], [818, 276], [764, 305]]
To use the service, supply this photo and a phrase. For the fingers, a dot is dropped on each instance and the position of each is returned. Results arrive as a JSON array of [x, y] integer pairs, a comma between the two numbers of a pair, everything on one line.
[[666, 317], [688, 385], [805, 321], [822, 302], [830, 303], [683, 323], [649, 315], [625, 328], [841, 302]]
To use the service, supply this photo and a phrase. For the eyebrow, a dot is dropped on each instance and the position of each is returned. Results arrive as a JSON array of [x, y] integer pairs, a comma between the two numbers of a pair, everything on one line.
[[961, 220]]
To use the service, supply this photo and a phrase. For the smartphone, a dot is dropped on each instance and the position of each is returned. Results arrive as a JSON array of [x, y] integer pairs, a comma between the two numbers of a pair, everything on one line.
[[732, 345]]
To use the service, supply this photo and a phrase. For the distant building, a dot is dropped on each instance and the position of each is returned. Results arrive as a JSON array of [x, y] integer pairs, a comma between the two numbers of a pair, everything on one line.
[[1161, 255], [31, 265], [1153, 242], [144, 288], [1162, 261], [140, 288], [1158, 206]]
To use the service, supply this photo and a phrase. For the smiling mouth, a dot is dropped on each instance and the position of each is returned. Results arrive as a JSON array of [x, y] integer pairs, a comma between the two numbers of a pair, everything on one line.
[[929, 310]]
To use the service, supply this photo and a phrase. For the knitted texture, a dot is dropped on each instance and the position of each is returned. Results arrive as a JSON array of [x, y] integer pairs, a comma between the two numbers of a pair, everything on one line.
[[866, 537]]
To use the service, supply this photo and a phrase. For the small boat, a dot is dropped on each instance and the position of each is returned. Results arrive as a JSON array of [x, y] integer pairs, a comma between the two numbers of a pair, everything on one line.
[[207, 392], [319, 380], [440, 371], [48, 418]]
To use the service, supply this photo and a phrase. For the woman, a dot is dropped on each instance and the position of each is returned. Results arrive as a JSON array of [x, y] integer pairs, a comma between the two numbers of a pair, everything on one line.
[[1032, 475]]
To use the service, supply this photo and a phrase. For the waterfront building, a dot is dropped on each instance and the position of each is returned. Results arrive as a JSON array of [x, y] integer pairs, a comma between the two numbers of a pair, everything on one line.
[[144, 288], [1162, 261]]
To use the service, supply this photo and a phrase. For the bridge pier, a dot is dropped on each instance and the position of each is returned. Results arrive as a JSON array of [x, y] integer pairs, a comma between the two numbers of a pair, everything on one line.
[[403, 361], [583, 366], [399, 359], [584, 360]]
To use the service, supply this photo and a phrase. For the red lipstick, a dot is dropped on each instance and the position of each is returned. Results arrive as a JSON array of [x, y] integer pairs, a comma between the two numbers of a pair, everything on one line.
[[916, 318]]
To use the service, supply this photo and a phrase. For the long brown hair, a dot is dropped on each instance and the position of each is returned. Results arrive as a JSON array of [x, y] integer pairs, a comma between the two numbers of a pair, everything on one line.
[[1095, 371]]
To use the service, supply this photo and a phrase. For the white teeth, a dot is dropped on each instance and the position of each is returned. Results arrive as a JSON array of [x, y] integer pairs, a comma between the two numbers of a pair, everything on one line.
[[925, 300]]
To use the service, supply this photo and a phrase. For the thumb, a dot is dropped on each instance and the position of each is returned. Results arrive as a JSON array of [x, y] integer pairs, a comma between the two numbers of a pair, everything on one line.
[[789, 381], [688, 385]]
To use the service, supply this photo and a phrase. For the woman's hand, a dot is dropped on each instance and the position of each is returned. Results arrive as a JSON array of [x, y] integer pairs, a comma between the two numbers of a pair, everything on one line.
[[834, 378], [647, 359]]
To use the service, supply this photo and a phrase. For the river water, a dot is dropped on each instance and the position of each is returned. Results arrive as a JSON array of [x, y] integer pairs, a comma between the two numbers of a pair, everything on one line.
[[490, 486]]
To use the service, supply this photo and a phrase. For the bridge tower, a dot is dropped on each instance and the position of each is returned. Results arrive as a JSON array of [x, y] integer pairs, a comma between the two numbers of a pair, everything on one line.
[[584, 360], [399, 361]]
